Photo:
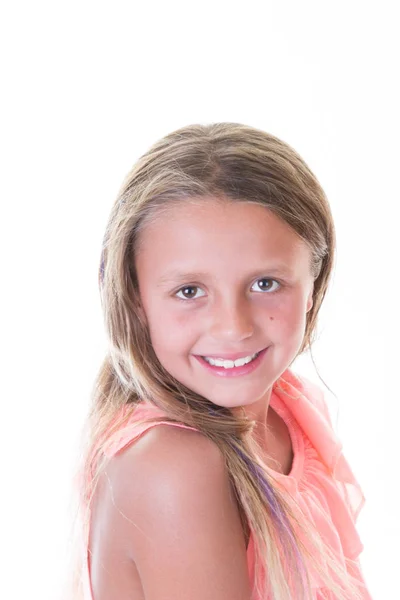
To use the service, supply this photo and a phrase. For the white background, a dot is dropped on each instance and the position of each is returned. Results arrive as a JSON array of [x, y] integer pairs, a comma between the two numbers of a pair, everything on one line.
[[89, 86]]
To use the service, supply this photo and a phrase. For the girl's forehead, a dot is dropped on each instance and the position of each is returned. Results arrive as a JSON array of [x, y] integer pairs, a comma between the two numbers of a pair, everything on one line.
[[220, 232], [218, 222]]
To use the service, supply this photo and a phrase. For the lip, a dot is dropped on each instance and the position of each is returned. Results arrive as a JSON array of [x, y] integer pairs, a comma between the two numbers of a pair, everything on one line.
[[235, 371]]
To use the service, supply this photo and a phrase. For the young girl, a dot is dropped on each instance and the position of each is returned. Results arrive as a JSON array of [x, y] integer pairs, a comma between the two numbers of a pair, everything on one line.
[[212, 470]]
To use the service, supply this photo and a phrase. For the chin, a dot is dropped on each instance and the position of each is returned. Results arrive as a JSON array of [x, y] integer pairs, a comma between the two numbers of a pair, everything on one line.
[[234, 399]]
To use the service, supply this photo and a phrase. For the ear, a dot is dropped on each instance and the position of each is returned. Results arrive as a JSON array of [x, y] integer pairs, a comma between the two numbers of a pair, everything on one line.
[[310, 300]]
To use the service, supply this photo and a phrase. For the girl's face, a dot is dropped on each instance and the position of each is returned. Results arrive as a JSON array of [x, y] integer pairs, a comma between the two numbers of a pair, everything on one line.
[[224, 280]]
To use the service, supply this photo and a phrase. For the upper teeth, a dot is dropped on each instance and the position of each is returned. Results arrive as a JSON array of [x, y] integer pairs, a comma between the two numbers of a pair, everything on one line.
[[229, 364]]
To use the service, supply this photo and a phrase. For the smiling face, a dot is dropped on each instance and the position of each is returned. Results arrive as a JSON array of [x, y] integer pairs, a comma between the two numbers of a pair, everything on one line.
[[223, 279]]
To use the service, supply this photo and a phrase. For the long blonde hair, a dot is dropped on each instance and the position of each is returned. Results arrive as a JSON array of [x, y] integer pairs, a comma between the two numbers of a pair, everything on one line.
[[241, 164]]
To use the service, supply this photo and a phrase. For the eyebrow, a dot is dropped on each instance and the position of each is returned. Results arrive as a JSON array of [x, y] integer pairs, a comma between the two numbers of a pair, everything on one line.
[[177, 276]]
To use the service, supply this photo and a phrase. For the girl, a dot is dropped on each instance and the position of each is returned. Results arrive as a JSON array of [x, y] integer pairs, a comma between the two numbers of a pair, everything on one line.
[[212, 470]]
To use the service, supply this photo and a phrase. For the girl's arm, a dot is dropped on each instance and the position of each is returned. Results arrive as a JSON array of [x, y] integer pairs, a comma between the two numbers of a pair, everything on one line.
[[168, 510]]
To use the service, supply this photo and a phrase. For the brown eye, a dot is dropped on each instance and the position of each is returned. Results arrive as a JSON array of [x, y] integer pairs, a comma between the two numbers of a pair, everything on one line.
[[266, 285], [189, 292]]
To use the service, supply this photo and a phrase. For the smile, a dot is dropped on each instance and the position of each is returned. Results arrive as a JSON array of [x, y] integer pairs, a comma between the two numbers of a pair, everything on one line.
[[230, 364], [222, 367]]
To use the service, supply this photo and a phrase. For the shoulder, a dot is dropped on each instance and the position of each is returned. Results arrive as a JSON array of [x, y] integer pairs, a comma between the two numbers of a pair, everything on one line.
[[170, 497], [168, 467], [163, 444]]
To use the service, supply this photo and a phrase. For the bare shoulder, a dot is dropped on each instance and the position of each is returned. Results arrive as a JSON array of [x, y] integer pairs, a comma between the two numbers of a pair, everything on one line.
[[171, 506]]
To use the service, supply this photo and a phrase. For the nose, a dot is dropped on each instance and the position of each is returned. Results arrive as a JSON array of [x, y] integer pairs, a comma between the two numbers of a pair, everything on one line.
[[231, 321]]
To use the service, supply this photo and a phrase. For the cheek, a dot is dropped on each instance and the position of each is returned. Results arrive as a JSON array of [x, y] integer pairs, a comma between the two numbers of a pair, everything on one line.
[[287, 318], [171, 331]]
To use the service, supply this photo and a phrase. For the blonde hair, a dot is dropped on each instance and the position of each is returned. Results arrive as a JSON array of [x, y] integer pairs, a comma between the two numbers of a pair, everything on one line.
[[233, 162]]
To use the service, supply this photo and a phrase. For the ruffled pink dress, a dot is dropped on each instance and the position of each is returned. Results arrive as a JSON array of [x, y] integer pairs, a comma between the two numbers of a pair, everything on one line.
[[321, 480]]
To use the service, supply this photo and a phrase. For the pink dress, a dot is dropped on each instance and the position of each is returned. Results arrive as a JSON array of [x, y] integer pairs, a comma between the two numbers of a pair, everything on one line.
[[321, 480]]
